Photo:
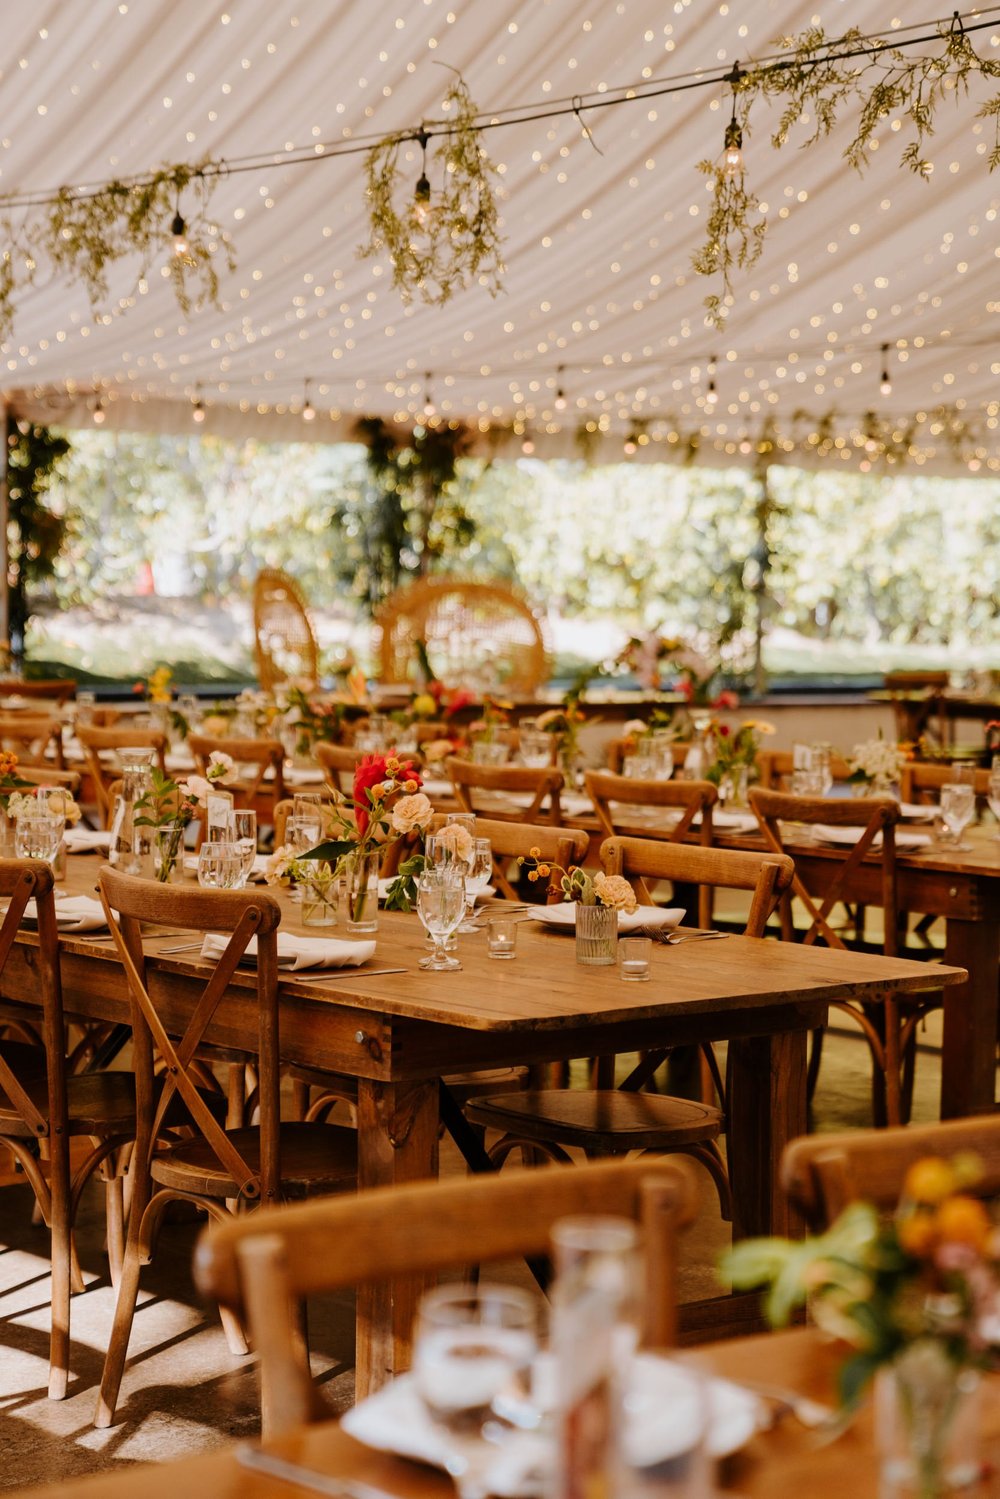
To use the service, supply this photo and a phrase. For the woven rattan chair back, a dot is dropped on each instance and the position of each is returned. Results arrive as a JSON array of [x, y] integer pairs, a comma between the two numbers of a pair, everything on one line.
[[462, 624], [284, 640]]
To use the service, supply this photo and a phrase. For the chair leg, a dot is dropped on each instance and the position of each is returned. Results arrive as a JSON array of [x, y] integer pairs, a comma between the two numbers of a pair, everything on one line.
[[128, 1292], [62, 1253], [114, 1206]]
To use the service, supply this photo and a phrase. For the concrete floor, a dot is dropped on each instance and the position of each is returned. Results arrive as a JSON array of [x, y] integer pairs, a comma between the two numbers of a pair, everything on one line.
[[183, 1392]]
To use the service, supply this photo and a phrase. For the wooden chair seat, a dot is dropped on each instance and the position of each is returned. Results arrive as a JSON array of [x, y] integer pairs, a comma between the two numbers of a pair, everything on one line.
[[97, 1103], [600, 1120], [314, 1158]]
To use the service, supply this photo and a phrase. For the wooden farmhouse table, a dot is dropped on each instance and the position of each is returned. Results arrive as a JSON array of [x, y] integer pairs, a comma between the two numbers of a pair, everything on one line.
[[399, 1034], [787, 1459], [961, 885]]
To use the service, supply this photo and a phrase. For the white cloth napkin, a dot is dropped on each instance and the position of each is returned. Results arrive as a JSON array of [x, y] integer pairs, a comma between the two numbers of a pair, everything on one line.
[[296, 953], [564, 915], [85, 840], [74, 913], [575, 804], [304, 775], [437, 786], [905, 837]]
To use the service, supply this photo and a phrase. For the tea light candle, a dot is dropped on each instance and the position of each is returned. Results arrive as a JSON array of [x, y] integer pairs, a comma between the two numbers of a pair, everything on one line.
[[634, 955], [501, 935]]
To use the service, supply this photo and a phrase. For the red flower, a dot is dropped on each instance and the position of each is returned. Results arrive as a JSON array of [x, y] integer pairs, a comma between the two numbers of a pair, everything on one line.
[[460, 698], [727, 699], [686, 688], [723, 731], [371, 771], [138, 688]]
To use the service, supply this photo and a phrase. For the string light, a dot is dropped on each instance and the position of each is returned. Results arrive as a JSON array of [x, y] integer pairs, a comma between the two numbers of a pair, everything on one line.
[[733, 142], [560, 393], [308, 409], [100, 415], [198, 409], [528, 445], [422, 191], [885, 385], [428, 398]]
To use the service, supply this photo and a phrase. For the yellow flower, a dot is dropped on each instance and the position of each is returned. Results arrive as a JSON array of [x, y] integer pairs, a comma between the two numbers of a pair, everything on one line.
[[534, 853], [929, 1180], [532, 875], [916, 1233], [614, 890], [544, 871], [423, 705], [391, 765], [963, 1220]]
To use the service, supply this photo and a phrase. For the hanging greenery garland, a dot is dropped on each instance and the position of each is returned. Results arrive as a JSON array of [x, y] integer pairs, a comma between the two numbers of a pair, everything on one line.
[[82, 235], [438, 241], [820, 80]]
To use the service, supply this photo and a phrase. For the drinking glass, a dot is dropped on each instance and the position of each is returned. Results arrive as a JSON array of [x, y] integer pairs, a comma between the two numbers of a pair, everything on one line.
[[501, 937], [245, 829], [307, 806], [993, 793], [440, 904], [806, 783], [220, 865], [823, 765], [486, 753], [86, 702], [478, 873], [301, 833], [641, 766], [472, 1352], [535, 747], [958, 807], [38, 833], [466, 820]]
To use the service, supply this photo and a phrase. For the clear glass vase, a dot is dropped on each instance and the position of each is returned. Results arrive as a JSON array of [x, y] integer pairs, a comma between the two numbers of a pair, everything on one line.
[[596, 935], [131, 850], [168, 852], [927, 1423], [360, 871], [319, 899]]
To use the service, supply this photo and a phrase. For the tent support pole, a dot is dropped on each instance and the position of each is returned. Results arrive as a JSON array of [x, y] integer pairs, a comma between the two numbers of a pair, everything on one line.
[[4, 520]]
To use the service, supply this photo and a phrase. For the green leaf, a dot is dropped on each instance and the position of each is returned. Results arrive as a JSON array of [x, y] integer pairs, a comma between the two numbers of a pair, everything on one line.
[[332, 850]]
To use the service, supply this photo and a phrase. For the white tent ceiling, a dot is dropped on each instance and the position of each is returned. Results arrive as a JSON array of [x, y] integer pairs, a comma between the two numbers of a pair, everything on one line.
[[597, 247]]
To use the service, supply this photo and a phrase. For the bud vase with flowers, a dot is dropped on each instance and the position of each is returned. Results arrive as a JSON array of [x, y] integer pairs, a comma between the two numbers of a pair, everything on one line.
[[917, 1299], [11, 784], [733, 757], [598, 899], [386, 804], [170, 806]]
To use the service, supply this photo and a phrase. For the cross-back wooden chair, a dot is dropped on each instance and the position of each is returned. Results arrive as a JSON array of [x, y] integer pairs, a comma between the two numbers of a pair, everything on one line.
[[54, 690], [30, 736], [43, 1108], [260, 1269], [481, 788], [875, 818], [776, 767], [602, 1119], [100, 751], [922, 783], [822, 1174], [918, 698], [692, 798], [283, 811], [340, 762], [510, 840], [41, 775], [284, 640], [221, 1170], [619, 748], [260, 766]]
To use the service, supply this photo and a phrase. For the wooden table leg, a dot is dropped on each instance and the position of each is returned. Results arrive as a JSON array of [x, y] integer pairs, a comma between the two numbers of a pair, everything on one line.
[[968, 1060], [397, 1142], [767, 1108]]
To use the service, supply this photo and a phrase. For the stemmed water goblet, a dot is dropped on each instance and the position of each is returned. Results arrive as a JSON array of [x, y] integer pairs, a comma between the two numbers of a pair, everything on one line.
[[472, 1354], [958, 807], [440, 905], [245, 835], [478, 873]]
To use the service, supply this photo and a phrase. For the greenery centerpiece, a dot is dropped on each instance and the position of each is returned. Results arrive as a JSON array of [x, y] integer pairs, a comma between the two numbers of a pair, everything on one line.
[[875, 765], [170, 806], [917, 1298], [598, 899]]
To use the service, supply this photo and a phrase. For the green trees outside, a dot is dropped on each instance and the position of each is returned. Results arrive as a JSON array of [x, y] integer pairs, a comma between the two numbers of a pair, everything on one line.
[[864, 571]]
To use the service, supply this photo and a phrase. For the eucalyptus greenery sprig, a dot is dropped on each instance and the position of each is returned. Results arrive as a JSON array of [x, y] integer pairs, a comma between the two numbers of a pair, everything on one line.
[[82, 234], [818, 80], [437, 245]]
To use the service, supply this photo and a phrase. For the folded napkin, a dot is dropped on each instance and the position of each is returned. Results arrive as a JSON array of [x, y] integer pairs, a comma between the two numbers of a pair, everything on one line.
[[437, 786], [918, 811], [85, 840], [296, 953], [74, 913], [564, 915], [575, 804]]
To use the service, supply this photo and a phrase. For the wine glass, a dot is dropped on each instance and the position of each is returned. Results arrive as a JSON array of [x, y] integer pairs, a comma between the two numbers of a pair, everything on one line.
[[472, 1352], [993, 793], [478, 873], [958, 807], [440, 905], [245, 829]]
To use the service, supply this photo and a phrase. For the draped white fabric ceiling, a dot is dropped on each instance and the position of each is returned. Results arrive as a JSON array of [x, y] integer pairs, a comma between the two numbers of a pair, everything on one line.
[[598, 247]]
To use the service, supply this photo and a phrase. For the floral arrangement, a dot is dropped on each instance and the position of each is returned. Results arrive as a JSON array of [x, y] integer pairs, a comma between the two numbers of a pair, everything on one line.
[[645, 655], [286, 867], [579, 885], [158, 687], [434, 751], [387, 804], [313, 721], [734, 747], [564, 725], [402, 893], [920, 1293], [171, 805], [58, 800], [875, 760], [495, 716], [993, 736], [10, 781], [640, 731]]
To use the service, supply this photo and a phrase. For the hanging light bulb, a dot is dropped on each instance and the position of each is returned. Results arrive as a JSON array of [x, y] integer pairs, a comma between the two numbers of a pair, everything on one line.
[[422, 191], [429, 407], [732, 164], [631, 444], [885, 385], [198, 412], [560, 393], [100, 415], [528, 445], [178, 229], [308, 409], [711, 394]]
